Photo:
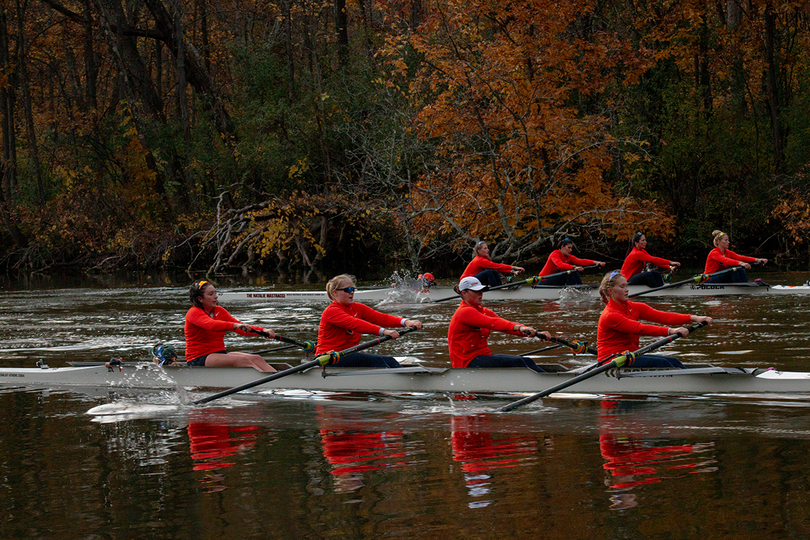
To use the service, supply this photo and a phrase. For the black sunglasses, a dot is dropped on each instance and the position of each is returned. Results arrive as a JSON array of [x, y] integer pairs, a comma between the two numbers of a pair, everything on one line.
[[347, 289]]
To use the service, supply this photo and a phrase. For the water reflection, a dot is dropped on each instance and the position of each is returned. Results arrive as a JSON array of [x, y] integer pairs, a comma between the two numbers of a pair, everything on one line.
[[351, 451], [632, 461], [480, 453], [214, 441]]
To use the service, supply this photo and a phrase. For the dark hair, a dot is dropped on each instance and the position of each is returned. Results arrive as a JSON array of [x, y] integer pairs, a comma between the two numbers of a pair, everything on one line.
[[564, 242], [196, 291], [633, 239]]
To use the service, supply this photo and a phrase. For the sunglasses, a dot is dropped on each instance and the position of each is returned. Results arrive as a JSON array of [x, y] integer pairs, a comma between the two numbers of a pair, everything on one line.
[[347, 289]]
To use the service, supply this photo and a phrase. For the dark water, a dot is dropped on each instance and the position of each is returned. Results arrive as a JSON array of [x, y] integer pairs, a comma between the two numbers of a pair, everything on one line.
[[366, 466]]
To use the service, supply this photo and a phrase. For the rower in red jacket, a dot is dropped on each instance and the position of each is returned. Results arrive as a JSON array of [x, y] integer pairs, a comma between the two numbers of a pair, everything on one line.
[[721, 258], [471, 325], [344, 321], [561, 260], [619, 327], [637, 256], [205, 329], [485, 269]]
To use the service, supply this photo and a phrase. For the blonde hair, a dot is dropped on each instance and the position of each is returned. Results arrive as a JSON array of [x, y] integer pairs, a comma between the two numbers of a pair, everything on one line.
[[333, 283], [608, 282], [718, 235], [477, 246]]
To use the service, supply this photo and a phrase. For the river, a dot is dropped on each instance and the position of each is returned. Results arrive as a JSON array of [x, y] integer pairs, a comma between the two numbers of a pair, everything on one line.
[[364, 466]]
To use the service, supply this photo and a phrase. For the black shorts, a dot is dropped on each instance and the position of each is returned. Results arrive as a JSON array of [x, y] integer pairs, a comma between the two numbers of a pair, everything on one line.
[[200, 360]]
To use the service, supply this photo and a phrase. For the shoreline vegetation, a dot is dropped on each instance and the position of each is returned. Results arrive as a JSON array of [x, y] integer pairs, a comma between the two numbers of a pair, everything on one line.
[[301, 140]]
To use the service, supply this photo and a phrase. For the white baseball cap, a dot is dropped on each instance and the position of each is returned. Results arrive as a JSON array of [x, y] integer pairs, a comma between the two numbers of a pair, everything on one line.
[[470, 283]]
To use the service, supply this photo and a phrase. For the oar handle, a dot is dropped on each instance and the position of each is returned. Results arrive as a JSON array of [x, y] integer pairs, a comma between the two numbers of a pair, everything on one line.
[[308, 346], [333, 357], [564, 272], [576, 346]]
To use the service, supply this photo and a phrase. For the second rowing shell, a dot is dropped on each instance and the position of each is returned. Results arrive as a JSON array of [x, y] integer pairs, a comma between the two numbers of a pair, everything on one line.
[[524, 293]]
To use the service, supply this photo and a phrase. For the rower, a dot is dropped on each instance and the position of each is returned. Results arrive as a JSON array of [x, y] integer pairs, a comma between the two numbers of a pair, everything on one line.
[[205, 329], [485, 269], [471, 325], [619, 327], [163, 355], [635, 259], [560, 260], [721, 258], [344, 321]]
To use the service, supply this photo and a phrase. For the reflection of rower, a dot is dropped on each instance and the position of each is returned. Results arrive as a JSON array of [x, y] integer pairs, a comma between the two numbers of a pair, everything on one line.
[[474, 447], [352, 452], [631, 461], [212, 441]]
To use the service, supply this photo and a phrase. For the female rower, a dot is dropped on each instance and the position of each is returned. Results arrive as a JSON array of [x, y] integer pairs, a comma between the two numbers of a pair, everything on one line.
[[637, 256], [721, 258], [485, 269], [344, 321], [561, 260], [205, 329], [471, 325], [619, 327]]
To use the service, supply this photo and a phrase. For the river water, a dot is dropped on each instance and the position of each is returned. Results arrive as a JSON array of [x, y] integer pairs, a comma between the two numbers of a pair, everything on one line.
[[363, 466]]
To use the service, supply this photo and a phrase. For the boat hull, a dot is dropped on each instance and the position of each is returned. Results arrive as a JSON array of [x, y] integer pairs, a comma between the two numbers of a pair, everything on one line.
[[699, 380], [523, 293]]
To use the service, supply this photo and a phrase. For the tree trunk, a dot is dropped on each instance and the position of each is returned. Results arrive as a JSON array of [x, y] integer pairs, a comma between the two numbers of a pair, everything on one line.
[[772, 87], [22, 61], [9, 138]]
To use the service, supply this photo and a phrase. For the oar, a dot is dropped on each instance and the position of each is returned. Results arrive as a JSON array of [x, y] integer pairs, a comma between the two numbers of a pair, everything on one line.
[[323, 360], [529, 281], [578, 347], [308, 346], [564, 272], [615, 363], [699, 278]]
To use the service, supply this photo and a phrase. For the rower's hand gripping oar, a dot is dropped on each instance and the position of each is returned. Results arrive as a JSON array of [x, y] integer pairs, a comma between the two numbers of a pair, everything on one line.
[[322, 360], [699, 278], [308, 346], [617, 362], [576, 346]]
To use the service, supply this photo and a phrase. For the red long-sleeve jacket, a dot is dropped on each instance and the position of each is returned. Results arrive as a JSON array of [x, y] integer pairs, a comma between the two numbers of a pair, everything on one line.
[[469, 329], [619, 327], [206, 334], [716, 261], [341, 327], [480, 263], [557, 262], [635, 260]]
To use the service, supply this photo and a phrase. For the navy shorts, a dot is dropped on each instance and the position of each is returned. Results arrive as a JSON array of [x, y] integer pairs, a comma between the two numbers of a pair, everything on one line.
[[200, 360]]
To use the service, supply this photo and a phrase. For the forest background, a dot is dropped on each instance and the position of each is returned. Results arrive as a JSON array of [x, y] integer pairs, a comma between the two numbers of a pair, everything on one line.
[[301, 138]]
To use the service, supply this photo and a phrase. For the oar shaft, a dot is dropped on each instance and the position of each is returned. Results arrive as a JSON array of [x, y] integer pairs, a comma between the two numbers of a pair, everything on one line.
[[699, 278], [616, 362], [561, 386], [296, 369]]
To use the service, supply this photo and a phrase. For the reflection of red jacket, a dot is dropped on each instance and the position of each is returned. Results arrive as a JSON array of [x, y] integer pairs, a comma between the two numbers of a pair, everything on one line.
[[627, 456], [480, 263], [341, 327], [352, 451], [473, 445], [557, 262], [716, 261], [206, 335], [469, 329], [210, 442], [619, 329], [634, 262]]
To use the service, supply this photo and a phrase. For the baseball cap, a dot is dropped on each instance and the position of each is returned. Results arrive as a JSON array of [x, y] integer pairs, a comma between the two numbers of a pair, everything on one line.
[[470, 283]]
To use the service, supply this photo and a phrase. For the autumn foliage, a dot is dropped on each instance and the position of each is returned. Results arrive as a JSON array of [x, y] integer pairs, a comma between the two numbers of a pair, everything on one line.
[[306, 138]]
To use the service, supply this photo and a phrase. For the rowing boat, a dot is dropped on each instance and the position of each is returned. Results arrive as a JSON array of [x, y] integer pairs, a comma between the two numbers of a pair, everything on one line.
[[525, 293], [697, 379]]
